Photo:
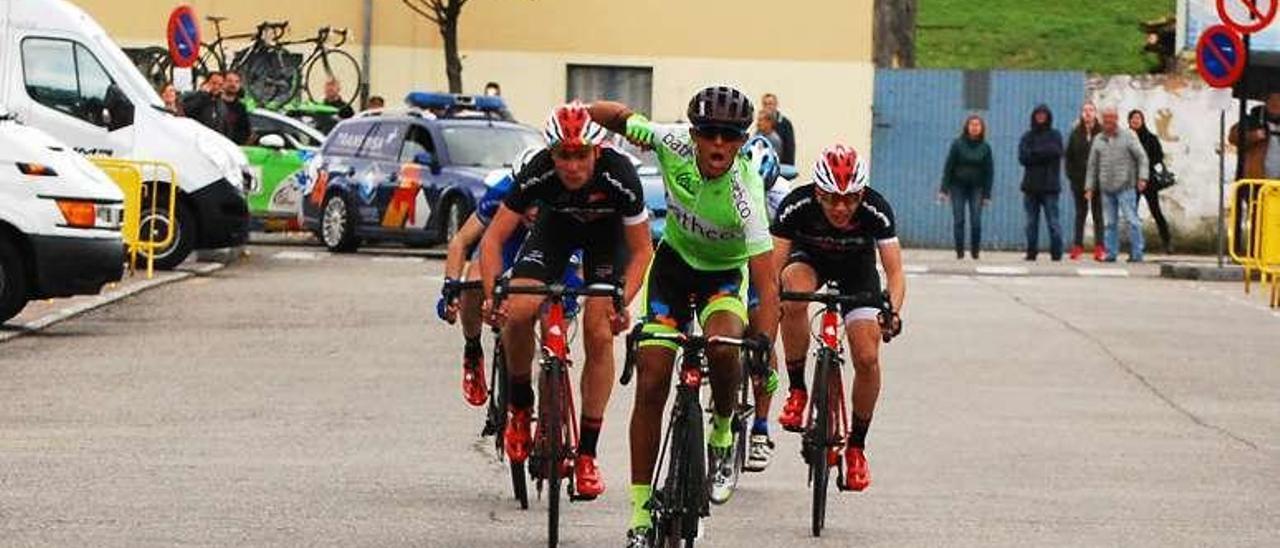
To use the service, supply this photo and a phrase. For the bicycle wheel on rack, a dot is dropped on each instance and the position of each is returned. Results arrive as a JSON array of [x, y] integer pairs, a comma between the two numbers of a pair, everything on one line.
[[819, 439], [333, 64], [268, 79]]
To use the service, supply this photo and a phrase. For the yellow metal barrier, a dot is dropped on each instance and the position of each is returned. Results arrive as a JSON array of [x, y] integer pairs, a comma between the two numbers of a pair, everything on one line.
[[1260, 222], [148, 224]]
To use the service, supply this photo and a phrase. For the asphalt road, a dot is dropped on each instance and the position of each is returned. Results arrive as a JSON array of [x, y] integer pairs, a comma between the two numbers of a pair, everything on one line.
[[301, 398]]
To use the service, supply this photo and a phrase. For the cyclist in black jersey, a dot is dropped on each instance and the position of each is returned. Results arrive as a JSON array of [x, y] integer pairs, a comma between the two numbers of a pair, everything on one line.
[[589, 198], [831, 231]]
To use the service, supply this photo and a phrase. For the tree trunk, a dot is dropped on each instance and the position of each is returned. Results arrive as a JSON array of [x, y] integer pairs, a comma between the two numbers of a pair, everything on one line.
[[895, 33], [449, 32]]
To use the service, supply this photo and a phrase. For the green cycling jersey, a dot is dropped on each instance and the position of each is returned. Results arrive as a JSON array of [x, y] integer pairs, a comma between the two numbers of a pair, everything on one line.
[[714, 224]]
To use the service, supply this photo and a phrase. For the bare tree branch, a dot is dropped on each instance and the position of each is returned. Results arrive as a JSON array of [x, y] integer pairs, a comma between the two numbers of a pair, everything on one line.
[[434, 5]]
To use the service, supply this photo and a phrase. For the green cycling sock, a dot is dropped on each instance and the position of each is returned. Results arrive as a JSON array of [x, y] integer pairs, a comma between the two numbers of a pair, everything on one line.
[[721, 431], [640, 495]]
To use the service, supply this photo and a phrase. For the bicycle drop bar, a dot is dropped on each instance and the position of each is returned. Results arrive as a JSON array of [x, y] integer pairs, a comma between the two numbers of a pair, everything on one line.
[[830, 297], [562, 292], [687, 343]]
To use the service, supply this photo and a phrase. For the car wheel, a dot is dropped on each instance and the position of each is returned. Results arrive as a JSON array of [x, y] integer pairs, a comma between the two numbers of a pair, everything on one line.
[[338, 225], [13, 281], [158, 225]]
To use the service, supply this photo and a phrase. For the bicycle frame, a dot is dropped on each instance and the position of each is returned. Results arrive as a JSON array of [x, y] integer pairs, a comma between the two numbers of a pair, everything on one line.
[[829, 342]]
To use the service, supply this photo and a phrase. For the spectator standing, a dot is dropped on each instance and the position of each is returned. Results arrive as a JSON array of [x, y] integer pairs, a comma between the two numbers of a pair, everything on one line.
[[1118, 166], [492, 89], [1155, 157], [1040, 153], [203, 106], [1261, 141], [967, 180], [766, 128], [787, 152], [169, 94], [376, 102], [1086, 129], [235, 117], [333, 98]]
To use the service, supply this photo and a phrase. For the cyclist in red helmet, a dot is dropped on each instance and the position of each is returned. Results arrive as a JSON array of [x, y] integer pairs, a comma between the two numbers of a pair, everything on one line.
[[589, 198], [831, 231]]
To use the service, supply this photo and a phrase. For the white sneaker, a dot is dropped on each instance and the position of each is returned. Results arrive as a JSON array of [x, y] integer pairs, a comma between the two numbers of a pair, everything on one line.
[[723, 478], [759, 454]]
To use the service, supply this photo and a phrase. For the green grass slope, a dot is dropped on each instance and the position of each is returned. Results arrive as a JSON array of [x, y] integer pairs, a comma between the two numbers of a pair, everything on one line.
[[1093, 35]]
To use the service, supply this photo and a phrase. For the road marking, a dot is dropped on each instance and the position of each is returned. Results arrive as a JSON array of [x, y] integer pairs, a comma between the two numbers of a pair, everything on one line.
[[1003, 270], [384, 259], [915, 268], [1103, 272], [296, 256]]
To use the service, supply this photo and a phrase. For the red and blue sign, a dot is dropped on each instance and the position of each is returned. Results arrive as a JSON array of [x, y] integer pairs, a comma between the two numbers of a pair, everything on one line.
[[1220, 56], [184, 36], [1248, 16]]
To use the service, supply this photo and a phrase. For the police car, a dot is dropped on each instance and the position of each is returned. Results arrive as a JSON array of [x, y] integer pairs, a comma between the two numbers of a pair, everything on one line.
[[412, 177]]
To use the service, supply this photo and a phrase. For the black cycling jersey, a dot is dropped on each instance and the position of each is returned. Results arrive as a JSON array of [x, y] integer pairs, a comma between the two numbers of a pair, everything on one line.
[[846, 256], [589, 218], [613, 191]]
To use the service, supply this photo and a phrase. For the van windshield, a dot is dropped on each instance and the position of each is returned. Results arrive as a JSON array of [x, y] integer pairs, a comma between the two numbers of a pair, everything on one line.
[[127, 73]]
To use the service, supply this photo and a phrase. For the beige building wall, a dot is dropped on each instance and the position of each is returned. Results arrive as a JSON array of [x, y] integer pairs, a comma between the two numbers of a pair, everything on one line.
[[816, 59]]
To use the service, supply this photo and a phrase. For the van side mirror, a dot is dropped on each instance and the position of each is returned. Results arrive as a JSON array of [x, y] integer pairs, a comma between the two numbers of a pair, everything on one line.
[[427, 159], [272, 141]]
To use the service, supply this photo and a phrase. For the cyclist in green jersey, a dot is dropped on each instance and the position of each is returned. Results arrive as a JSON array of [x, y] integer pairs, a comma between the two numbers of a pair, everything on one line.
[[717, 231]]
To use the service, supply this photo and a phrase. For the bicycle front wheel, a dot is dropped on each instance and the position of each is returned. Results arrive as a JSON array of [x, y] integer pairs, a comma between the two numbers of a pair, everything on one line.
[[553, 431], [268, 80], [337, 65], [820, 440]]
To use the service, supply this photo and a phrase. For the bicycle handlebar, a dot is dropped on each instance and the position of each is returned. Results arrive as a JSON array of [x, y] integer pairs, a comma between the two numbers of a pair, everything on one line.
[[757, 349], [830, 297], [561, 291]]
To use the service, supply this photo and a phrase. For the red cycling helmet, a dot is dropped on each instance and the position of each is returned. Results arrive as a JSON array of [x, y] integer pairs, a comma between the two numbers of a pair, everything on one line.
[[570, 126], [840, 170]]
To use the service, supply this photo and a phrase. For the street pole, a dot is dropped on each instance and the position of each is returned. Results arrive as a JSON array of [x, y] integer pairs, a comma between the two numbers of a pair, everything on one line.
[[1241, 145], [366, 54], [1222, 173]]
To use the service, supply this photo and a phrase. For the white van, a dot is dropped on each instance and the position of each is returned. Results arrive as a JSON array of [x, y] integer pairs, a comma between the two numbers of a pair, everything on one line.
[[59, 220], [60, 72]]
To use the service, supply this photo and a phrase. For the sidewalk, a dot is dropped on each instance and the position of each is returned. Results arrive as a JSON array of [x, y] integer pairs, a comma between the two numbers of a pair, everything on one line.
[[41, 314], [1011, 263]]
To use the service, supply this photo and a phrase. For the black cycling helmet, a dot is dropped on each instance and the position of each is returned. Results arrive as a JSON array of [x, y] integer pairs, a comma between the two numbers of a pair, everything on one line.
[[721, 107]]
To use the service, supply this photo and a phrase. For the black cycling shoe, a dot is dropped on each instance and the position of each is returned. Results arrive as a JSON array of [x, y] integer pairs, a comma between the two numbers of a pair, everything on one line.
[[640, 537]]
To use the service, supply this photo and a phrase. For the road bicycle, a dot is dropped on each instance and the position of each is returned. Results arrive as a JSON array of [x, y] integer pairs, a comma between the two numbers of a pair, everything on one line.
[[495, 422], [827, 422], [681, 499], [555, 442]]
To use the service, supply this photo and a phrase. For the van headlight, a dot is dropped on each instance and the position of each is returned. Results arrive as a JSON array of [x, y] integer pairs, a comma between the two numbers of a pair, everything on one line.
[[86, 214]]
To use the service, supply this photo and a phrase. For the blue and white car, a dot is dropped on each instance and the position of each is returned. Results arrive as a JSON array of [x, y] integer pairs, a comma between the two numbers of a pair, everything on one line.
[[412, 177]]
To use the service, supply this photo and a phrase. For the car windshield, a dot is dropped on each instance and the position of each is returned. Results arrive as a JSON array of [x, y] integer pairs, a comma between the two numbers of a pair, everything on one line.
[[487, 146]]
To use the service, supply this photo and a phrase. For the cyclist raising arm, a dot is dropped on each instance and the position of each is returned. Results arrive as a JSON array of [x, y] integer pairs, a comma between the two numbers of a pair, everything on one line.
[[830, 231], [590, 198], [716, 226]]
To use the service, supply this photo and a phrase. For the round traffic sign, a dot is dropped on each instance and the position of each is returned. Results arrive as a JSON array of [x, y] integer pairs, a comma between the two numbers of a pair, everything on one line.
[[1220, 56], [184, 36], [1248, 16]]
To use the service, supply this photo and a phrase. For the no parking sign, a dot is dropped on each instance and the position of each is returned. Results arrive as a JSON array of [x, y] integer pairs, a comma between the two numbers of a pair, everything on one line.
[[184, 36], [1220, 56]]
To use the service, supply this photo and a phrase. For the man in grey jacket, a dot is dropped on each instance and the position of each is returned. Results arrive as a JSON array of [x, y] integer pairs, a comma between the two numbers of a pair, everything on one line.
[[1118, 169]]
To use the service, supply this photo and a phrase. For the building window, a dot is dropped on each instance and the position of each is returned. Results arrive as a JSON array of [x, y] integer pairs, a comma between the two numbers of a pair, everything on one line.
[[630, 85]]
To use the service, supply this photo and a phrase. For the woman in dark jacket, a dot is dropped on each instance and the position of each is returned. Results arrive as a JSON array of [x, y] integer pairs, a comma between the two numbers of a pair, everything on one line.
[[967, 179], [1155, 156]]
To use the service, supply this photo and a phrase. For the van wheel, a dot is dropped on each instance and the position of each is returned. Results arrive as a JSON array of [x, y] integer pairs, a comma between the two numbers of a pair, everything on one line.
[[13, 281], [159, 225], [338, 225]]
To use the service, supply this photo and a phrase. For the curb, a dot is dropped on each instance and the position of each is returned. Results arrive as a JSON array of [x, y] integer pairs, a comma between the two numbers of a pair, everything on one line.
[[1203, 272], [109, 297]]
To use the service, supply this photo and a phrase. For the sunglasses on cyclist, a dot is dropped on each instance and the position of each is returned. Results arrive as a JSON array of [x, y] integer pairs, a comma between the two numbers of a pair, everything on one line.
[[849, 200], [724, 133]]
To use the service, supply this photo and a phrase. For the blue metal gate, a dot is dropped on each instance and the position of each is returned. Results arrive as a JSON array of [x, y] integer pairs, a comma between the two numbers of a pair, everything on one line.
[[918, 113]]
